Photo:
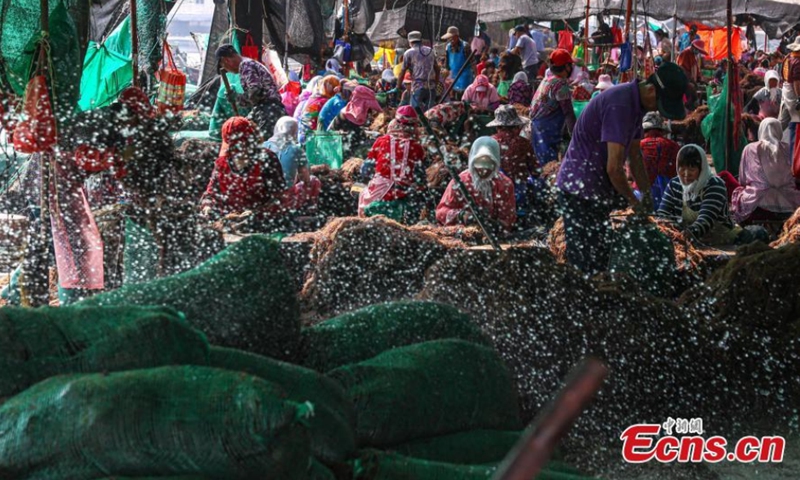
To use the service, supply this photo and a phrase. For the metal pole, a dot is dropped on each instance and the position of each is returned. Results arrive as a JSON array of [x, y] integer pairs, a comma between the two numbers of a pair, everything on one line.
[[729, 99], [134, 44]]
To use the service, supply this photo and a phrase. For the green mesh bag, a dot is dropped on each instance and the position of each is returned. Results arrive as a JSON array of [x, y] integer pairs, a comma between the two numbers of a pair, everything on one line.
[[427, 390], [471, 448], [140, 255], [20, 33], [159, 422], [369, 331], [38, 343], [318, 471], [182, 477], [223, 110], [332, 427], [375, 465], [242, 298]]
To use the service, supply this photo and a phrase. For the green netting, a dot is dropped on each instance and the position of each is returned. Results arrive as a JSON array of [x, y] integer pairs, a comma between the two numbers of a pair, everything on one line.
[[427, 390], [367, 332], [331, 427], [158, 422], [318, 471], [242, 298], [140, 255], [151, 25], [107, 68], [182, 477], [643, 252], [375, 465], [223, 109], [713, 127], [470, 448], [37, 344], [19, 24]]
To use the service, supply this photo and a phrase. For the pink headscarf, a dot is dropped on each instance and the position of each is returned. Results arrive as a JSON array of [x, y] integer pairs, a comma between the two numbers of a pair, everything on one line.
[[482, 94], [361, 102]]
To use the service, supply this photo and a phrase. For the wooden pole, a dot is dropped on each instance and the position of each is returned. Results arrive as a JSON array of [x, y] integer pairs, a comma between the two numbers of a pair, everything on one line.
[[729, 99], [586, 37], [134, 44], [346, 27], [41, 253]]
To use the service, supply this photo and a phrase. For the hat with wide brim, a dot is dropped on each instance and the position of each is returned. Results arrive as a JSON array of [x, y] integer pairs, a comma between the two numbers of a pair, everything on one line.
[[604, 82], [507, 116], [794, 47], [451, 32]]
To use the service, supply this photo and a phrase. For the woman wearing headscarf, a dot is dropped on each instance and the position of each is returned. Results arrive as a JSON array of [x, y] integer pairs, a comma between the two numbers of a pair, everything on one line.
[[326, 89], [481, 95], [335, 104], [399, 170], [303, 188], [767, 186], [246, 177], [353, 118], [290, 93], [492, 192], [333, 67], [520, 92], [698, 200], [769, 97], [311, 89]]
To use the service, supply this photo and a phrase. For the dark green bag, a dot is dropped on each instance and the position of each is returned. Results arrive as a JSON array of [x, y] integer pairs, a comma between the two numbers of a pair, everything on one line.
[[332, 427], [369, 331], [167, 421], [470, 448], [36, 344], [429, 389], [242, 298]]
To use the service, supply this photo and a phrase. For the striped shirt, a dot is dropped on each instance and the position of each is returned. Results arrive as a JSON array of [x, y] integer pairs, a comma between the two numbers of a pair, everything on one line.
[[712, 205]]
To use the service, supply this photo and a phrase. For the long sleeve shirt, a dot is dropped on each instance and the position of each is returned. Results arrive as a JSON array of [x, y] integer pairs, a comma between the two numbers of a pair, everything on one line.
[[711, 205]]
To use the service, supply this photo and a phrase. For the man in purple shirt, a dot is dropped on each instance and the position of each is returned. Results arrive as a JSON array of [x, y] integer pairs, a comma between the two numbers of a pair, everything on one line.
[[592, 180]]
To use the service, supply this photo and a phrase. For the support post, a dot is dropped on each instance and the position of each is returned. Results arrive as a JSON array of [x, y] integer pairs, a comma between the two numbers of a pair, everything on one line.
[[729, 99], [135, 43]]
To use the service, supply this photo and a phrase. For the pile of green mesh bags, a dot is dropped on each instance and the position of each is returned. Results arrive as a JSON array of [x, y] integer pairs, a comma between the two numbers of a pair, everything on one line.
[[241, 298], [142, 383]]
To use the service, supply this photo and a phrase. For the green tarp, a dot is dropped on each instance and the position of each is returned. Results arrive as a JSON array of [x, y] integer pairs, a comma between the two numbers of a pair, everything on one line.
[[107, 68]]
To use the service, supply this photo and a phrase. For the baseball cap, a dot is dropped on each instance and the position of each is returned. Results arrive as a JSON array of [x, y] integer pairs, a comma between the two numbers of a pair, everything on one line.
[[670, 83], [560, 57], [451, 32]]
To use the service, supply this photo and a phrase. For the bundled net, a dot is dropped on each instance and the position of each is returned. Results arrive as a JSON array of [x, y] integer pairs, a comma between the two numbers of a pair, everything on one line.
[[357, 262], [351, 169], [790, 232], [241, 298], [37, 344], [370, 331], [331, 427], [431, 386], [157, 422], [689, 129], [335, 199]]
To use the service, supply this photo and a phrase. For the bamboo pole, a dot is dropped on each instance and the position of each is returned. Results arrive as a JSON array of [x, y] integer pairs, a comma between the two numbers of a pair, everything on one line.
[[134, 44], [729, 99]]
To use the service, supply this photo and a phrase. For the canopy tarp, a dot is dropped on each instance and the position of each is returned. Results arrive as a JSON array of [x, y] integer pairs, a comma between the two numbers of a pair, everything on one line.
[[774, 16]]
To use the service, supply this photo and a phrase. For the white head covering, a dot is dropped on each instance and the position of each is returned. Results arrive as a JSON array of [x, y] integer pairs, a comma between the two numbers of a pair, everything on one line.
[[285, 132], [312, 84], [388, 75], [484, 147], [520, 76], [770, 135], [773, 92], [333, 66], [693, 190]]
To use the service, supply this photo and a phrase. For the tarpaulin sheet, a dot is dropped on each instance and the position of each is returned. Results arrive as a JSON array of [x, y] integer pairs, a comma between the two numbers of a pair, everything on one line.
[[716, 41], [429, 19], [776, 17]]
